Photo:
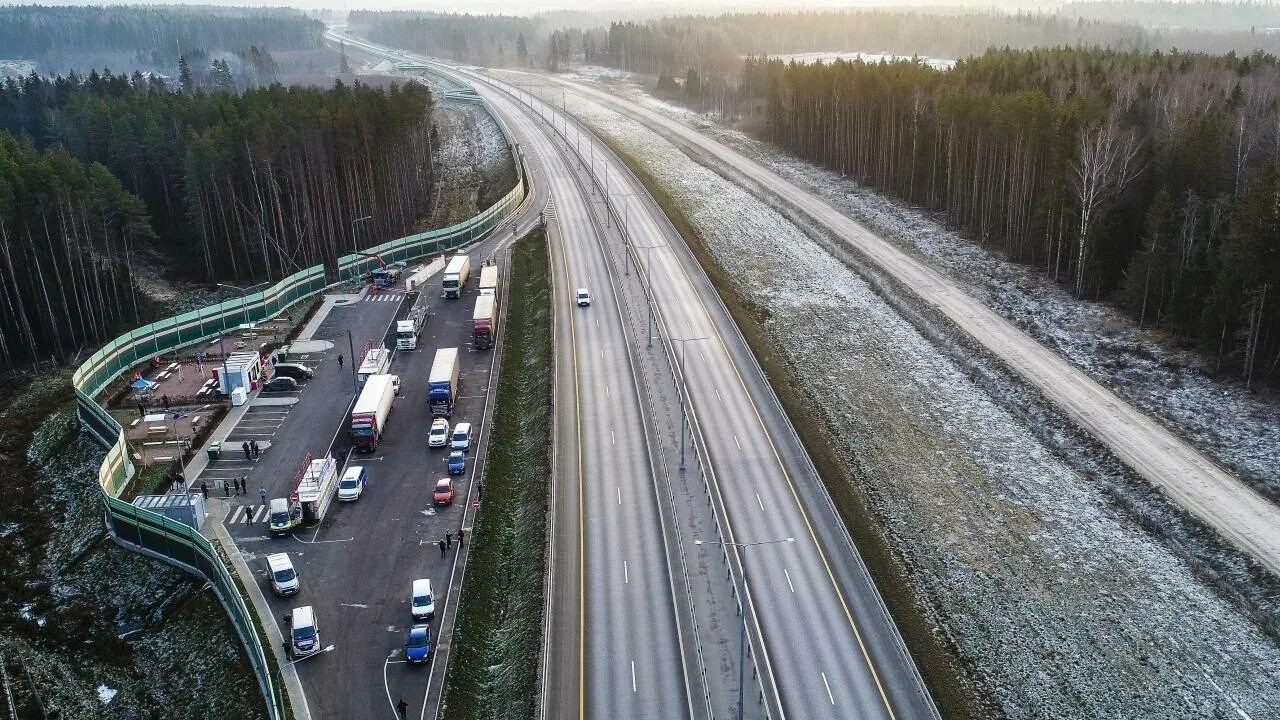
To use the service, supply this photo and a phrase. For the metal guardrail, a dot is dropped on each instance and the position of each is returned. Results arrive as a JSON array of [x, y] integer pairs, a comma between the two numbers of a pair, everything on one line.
[[153, 534]]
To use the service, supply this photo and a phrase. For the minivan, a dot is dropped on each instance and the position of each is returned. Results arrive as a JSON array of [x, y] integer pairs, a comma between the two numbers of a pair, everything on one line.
[[304, 631], [297, 371], [284, 579], [422, 604], [461, 438], [352, 483]]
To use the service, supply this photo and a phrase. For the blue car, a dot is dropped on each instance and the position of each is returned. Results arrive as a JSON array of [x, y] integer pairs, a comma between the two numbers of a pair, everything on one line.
[[417, 648], [457, 462]]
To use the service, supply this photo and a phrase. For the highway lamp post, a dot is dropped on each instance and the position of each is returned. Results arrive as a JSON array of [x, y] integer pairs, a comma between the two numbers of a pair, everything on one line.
[[684, 392], [648, 283], [355, 244], [742, 638], [351, 347], [328, 648]]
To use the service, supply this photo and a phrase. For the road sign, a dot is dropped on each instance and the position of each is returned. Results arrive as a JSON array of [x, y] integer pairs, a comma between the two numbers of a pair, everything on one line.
[[475, 504]]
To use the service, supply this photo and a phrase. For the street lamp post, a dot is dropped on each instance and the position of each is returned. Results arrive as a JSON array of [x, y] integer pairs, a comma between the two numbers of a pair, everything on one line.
[[648, 282], [684, 392], [742, 638], [355, 244], [351, 347]]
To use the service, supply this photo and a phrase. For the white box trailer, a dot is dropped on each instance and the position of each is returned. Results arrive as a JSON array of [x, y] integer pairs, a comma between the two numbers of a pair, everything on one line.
[[442, 384], [369, 415], [489, 280], [482, 322], [375, 362], [455, 276]]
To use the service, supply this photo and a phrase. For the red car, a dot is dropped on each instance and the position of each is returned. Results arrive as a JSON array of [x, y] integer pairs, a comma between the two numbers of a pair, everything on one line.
[[443, 494]]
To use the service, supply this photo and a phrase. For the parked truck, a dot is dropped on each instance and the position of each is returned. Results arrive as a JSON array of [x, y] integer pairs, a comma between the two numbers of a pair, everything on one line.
[[442, 384], [489, 280], [369, 416], [482, 322], [407, 330], [376, 361], [316, 488], [455, 276]]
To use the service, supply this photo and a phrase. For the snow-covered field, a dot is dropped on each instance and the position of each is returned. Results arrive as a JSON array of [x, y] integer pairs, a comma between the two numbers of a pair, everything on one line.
[[1060, 603], [1237, 428]]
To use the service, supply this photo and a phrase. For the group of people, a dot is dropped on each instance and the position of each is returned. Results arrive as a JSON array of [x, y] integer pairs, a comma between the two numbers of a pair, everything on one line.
[[446, 542], [240, 485], [251, 449]]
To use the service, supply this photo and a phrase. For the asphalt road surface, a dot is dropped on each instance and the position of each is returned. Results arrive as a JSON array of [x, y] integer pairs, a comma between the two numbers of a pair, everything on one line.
[[1191, 479], [832, 650]]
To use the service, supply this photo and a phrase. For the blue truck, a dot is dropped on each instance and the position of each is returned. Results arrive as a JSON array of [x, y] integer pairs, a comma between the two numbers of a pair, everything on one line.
[[442, 384]]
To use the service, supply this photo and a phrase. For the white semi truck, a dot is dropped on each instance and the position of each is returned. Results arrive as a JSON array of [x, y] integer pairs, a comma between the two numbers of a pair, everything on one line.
[[489, 280], [407, 330], [369, 416], [455, 276]]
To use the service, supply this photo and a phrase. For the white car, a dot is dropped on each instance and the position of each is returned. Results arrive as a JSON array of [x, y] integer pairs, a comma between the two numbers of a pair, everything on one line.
[[422, 605], [352, 484], [439, 435], [583, 296], [280, 572]]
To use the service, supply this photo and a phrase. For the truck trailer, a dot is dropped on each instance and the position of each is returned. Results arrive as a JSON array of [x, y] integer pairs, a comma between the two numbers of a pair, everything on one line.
[[442, 385], [482, 322], [455, 276], [489, 280], [369, 416], [376, 361], [407, 330]]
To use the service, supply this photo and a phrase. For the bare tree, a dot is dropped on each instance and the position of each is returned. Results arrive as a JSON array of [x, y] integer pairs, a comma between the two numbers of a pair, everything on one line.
[[1105, 165]]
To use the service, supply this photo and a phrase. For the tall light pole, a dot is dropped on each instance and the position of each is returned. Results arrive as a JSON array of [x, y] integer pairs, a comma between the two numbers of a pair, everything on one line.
[[355, 244], [742, 638], [684, 392], [626, 230], [647, 272], [351, 347]]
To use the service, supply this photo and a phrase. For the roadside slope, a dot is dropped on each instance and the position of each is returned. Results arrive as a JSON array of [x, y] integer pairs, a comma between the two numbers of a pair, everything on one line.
[[1192, 480]]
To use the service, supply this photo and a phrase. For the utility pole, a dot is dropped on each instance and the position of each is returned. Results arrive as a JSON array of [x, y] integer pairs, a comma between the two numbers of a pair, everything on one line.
[[684, 393], [351, 347]]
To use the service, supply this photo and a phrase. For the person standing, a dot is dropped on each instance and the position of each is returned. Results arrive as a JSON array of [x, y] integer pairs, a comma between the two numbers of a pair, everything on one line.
[[204, 489], [244, 485], [402, 707], [253, 445], [442, 547], [226, 488], [248, 454], [448, 540], [339, 359], [262, 493], [164, 401], [460, 535]]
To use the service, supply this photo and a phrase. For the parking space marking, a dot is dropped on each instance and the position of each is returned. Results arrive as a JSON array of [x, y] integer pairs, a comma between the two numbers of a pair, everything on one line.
[[793, 587]]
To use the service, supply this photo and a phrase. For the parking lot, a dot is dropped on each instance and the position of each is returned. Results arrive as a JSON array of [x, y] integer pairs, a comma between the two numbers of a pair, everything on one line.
[[356, 567]]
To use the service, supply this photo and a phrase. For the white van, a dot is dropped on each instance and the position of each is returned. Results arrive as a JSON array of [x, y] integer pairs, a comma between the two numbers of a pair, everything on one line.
[[422, 603], [304, 632], [352, 483], [280, 572], [461, 438]]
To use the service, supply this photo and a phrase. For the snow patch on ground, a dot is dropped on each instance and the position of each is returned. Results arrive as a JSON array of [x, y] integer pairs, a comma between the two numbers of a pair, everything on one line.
[[1061, 604], [106, 694]]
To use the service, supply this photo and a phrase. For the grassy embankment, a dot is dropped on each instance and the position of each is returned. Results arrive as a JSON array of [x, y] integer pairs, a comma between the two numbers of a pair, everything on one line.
[[494, 662], [941, 667]]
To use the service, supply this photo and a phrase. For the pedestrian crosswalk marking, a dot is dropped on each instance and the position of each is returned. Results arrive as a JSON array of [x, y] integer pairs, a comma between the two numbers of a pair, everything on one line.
[[242, 515], [392, 297]]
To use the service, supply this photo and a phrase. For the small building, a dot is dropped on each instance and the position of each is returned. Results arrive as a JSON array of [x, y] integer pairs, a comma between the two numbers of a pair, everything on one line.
[[186, 508], [243, 369]]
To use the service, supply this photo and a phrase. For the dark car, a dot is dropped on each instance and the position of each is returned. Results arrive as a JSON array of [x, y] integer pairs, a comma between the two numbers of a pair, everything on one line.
[[297, 371], [280, 384], [417, 647]]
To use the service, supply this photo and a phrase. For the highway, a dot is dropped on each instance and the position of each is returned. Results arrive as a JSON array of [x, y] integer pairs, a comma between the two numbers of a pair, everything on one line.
[[1190, 478], [613, 645], [830, 648]]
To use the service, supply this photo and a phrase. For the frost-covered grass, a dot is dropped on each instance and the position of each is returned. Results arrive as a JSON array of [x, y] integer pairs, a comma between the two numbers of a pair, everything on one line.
[[1060, 603], [493, 668], [474, 164], [1238, 428]]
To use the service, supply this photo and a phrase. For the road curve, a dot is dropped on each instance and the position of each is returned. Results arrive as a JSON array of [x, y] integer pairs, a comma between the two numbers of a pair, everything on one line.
[[1186, 475]]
